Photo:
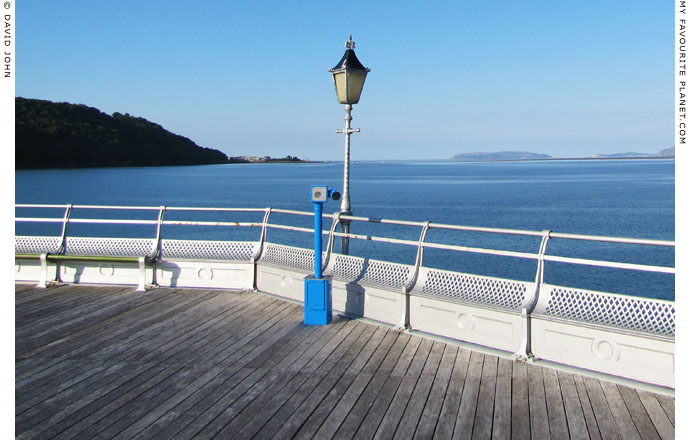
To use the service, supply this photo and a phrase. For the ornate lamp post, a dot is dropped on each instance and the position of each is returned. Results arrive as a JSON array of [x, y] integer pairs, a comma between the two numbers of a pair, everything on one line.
[[348, 76]]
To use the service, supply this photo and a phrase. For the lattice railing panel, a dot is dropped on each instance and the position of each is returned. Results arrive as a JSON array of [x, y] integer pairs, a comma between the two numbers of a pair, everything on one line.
[[293, 257], [36, 245], [633, 313], [477, 289], [208, 250], [110, 247], [377, 273]]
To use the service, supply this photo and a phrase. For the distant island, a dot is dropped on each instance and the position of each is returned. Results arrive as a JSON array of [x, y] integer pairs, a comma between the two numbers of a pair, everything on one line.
[[525, 155], [501, 155]]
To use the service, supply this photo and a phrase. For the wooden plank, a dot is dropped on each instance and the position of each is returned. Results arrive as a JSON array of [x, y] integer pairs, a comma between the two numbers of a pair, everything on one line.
[[577, 426], [232, 324], [176, 330], [464, 423], [223, 425], [155, 412], [184, 417], [359, 411], [638, 413], [50, 309], [46, 392], [264, 339], [391, 418], [40, 300], [520, 424], [150, 299], [502, 402], [232, 349], [20, 288], [607, 425], [418, 399], [434, 402], [82, 416], [137, 408], [484, 415], [193, 362], [112, 349], [133, 409], [377, 410], [107, 409], [669, 406], [587, 410], [309, 394], [347, 349], [451, 403], [620, 412], [46, 314], [112, 330], [59, 420], [558, 425], [286, 376], [42, 376], [332, 410], [79, 316], [538, 413], [661, 422], [78, 344], [48, 406], [228, 407]]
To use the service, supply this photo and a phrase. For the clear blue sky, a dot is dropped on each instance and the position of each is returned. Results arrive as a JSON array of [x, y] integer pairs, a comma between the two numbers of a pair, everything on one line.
[[251, 77]]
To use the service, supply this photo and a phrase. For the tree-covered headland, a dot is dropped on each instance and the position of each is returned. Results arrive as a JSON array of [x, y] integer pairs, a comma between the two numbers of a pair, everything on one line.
[[62, 135]]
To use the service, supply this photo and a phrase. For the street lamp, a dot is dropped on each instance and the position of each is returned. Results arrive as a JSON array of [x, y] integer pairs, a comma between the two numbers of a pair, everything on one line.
[[348, 77]]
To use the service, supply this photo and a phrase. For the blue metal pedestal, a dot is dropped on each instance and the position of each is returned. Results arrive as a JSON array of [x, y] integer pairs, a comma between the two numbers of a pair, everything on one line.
[[317, 301]]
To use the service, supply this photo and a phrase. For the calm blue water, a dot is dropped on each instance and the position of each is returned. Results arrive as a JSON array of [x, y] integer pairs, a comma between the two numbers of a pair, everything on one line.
[[628, 198]]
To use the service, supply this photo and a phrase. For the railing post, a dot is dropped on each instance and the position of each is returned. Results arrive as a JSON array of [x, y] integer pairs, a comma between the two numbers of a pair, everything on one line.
[[331, 238], [156, 254], [405, 321], [262, 238], [525, 351], [63, 239]]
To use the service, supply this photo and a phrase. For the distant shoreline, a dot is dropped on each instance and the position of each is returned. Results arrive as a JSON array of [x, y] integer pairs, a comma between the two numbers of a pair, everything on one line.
[[566, 158], [354, 161]]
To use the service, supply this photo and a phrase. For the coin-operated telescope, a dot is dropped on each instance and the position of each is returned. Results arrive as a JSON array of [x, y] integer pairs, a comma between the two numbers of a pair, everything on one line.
[[318, 309]]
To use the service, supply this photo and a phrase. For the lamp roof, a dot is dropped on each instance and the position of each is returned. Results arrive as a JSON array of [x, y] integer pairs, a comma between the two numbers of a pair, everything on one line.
[[349, 60]]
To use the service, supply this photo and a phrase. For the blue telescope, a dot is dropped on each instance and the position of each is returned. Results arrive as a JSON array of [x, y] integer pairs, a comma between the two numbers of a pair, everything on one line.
[[317, 291]]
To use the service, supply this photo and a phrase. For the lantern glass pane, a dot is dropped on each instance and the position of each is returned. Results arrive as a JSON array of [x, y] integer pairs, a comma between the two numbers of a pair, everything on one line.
[[340, 88], [355, 83]]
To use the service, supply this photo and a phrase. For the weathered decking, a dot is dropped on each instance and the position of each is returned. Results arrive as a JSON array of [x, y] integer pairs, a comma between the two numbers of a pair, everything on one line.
[[110, 362]]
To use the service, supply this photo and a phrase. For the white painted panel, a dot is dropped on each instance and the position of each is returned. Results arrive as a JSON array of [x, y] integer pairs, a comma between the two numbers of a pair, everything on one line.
[[102, 273], [625, 354], [383, 305], [483, 326], [223, 275], [28, 270], [280, 282]]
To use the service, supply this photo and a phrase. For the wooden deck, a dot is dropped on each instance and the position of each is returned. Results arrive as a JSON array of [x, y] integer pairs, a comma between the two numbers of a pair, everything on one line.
[[110, 362]]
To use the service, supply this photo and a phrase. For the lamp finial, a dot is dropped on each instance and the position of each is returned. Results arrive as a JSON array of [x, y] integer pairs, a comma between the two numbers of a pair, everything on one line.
[[350, 44]]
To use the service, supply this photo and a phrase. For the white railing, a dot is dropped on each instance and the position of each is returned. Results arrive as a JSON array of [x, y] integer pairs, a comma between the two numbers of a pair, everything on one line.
[[611, 333]]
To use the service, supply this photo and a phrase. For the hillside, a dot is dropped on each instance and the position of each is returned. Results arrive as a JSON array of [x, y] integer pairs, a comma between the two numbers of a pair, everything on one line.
[[63, 135]]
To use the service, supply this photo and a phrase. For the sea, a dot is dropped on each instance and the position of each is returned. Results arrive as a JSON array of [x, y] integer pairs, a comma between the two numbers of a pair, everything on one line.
[[621, 198]]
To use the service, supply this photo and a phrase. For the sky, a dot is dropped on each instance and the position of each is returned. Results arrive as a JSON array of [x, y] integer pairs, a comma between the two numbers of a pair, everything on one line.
[[568, 79]]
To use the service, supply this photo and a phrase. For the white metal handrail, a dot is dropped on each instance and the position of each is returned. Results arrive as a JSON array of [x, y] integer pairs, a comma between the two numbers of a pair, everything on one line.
[[416, 243]]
